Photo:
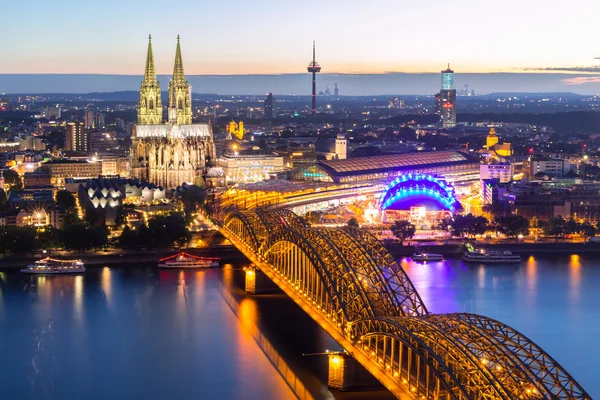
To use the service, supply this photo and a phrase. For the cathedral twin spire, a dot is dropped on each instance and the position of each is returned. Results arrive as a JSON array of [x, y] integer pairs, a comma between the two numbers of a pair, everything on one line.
[[180, 101]]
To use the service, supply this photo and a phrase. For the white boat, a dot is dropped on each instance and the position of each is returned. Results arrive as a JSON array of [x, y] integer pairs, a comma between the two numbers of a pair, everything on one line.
[[420, 256], [186, 260], [50, 266], [491, 256]]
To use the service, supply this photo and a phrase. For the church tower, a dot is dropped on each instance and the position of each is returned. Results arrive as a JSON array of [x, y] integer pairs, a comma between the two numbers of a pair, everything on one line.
[[149, 109], [180, 93], [492, 138]]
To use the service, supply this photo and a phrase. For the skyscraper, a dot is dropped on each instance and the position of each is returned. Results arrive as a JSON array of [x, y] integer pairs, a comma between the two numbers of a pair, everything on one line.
[[89, 119], [172, 153], [448, 99], [270, 107], [314, 68], [78, 138]]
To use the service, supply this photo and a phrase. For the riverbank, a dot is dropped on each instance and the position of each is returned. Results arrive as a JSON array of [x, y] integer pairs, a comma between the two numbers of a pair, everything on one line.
[[99, 259], [517, 248]]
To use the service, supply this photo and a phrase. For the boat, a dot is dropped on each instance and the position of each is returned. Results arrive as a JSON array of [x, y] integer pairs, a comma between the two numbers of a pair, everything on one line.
[[491, 256], [186, 260], [49, 266], [421, 256]]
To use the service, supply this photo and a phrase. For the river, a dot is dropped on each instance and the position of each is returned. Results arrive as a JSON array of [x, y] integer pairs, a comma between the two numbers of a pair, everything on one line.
[[136, 332]]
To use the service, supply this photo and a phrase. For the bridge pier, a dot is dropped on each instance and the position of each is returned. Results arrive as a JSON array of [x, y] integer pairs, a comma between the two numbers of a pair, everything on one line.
[[345, 373], [257, 282]]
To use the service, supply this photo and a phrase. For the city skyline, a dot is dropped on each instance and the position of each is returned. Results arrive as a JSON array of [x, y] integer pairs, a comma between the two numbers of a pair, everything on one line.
[[234, 37]]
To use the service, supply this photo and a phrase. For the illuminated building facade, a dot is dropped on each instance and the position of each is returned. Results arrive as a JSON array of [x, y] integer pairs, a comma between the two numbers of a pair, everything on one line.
[[169, 154], [61, 169], [78, 138], [447, 99], [250, 167], [491, 138], [236, 129]]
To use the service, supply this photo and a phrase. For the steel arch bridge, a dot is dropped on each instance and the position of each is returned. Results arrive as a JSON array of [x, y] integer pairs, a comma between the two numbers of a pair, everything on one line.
[[348, 283]]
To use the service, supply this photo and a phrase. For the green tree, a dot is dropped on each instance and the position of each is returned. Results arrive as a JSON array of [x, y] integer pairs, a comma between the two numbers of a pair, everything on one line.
[[512, 225], [572, 226], [18, 240], [312, 217], [65, 200], [587, 230], [3, 197], [70, 218], [403, 230], [77, 237], [50, 238], [13, 179], [555, 226], [469, 225], [353, 223]]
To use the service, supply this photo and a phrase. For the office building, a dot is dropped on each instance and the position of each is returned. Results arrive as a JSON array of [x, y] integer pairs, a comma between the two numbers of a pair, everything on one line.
[[51, 112], [554, 167], [61, 169], [447, 99], [270, 107], [78, 138]]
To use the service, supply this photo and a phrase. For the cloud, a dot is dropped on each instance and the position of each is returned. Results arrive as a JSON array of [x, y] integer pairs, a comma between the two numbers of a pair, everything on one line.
[[581, 80], [590, 69]]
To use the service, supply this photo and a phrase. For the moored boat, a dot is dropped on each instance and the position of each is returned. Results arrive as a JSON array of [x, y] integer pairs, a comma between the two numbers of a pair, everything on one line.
[[49, 266], [491, 256], [186, 260], [421, 256]]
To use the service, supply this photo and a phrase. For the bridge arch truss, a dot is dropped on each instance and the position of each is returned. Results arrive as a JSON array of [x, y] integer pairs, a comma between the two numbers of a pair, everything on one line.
[[358, 293]]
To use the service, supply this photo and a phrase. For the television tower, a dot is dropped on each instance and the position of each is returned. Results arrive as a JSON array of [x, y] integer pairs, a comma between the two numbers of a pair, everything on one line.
[[314, 67]]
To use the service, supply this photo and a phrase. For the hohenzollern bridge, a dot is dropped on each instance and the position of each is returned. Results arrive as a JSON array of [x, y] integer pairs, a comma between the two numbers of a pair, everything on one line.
[[354, 289]]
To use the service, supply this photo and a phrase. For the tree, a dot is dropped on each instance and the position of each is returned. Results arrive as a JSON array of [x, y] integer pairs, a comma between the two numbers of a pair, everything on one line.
[[535, 224], [469, 225], [50, 238], [587, 230], [65, 200], [403, 230], [18, 240], [3, 197], [555, 227], [353, 223], [13, 179], [70, 218], [312, 217], [512, 225], [572, 226]]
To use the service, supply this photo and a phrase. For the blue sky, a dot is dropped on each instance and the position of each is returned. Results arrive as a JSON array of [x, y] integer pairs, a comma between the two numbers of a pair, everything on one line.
[[274, 36]]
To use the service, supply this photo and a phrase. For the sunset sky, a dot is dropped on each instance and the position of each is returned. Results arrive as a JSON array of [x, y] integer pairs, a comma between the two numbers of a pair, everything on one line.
[[275, 36]]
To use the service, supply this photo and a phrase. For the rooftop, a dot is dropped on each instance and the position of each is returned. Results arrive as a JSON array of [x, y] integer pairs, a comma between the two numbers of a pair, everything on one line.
[[394, 161]]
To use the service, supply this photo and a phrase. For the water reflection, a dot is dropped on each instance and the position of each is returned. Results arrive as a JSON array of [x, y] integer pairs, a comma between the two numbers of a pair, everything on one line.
[[106, 284], [574, 277]]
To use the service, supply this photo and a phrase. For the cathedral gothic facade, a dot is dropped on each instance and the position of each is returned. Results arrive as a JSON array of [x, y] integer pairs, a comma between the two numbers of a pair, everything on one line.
[[169, 153]]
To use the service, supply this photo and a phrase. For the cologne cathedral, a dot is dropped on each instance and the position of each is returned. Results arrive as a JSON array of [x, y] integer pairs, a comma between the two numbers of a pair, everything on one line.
[[169, 153]]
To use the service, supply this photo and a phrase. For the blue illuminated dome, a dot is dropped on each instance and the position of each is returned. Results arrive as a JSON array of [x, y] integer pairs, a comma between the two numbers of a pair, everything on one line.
[[418, 190]]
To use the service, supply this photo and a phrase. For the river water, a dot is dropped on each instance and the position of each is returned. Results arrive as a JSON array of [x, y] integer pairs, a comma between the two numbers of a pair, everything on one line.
[[136, 332]]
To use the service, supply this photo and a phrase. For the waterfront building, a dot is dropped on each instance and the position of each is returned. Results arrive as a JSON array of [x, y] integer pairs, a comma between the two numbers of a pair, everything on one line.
[[78, 137], [169, 154], [101, 198]]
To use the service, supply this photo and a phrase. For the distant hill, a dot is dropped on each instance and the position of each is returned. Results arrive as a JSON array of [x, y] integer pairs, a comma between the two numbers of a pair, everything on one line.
[[299, 84]]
